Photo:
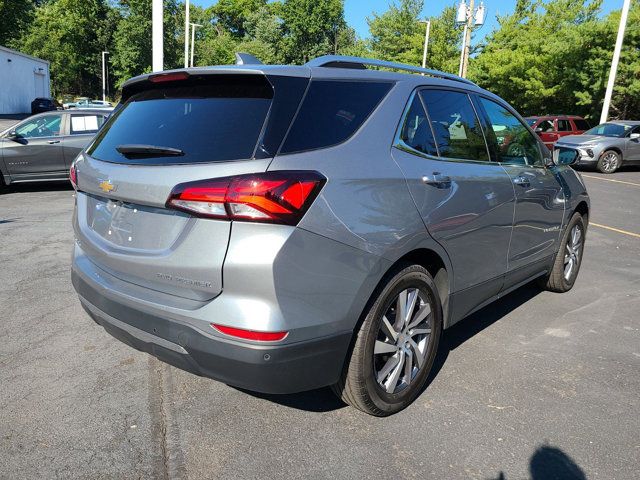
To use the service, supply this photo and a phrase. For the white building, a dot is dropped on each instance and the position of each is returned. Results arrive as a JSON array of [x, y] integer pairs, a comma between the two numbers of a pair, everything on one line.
[[22, 78]]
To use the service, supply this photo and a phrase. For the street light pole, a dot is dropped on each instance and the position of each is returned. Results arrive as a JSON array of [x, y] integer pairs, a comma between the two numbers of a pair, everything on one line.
[[104, 77], [614, 61], [426, 43], [193, 37], [157, 44], [470, 18], [186, 34]]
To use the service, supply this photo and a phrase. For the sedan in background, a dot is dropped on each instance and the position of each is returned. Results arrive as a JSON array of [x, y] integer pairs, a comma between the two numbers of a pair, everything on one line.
[[87, 103], [608, 146], [42, 147], [44, 104]]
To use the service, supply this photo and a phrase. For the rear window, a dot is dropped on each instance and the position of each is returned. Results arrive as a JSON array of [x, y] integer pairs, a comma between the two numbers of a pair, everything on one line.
[[331, 112], [581, 124], [212, 120]]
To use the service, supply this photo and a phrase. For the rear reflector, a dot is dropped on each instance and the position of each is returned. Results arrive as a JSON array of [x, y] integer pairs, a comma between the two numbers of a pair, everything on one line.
[[168, 77], [250, 334], [73, 175], [273, 197]]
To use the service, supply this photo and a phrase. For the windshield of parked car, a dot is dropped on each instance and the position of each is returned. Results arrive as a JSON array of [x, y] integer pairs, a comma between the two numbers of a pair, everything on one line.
[[609, 130]]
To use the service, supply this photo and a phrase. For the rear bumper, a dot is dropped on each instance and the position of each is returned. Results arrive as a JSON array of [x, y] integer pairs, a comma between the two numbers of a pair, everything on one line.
[[270, 368]]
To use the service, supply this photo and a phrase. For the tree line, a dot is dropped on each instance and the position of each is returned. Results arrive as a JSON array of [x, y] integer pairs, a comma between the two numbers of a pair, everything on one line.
[[548, 56]]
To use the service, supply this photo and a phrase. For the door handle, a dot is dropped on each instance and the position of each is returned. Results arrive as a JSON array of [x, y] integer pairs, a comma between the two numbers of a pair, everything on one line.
[[51, 142], [437, 179], [522, 181]]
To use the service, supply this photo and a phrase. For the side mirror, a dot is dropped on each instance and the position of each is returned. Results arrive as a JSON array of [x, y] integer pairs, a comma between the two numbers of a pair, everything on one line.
[[634, 136], [565, 156], [12, 135], [538, 130]]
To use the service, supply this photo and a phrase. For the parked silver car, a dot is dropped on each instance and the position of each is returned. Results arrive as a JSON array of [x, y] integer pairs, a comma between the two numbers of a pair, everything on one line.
[[43, 146], [284, 228], [608, 146]]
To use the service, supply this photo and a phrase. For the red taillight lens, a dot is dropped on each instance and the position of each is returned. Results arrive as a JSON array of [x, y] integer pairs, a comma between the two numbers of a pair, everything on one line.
[[250, 334], [73, 175], [274, 197]]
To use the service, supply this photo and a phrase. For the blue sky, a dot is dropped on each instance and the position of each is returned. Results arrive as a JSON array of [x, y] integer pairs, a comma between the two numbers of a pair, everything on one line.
[[357, 11]]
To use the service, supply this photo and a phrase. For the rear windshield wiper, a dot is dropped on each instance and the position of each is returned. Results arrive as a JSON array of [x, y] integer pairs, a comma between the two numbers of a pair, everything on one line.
[[135, 150]]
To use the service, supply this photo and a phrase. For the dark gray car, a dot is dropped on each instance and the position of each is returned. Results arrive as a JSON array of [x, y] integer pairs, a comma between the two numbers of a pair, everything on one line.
[[608, 146], [43, 146], [284, 228]]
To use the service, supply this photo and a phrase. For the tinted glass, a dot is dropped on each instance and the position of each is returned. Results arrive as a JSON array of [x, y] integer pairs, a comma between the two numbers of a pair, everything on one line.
[[581, 124], [455, 125], [85, 124], [48, 126], [609, 130], [416, 131], [564, 125], [331, 112], [214, 121], [545, 126], [515, 144]]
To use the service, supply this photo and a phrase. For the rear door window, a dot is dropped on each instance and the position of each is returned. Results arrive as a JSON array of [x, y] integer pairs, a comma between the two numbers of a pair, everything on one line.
[[416, 131], [331, 112], [455, 125], [564, 125], [217, 118], [85, 124], [581, 124]]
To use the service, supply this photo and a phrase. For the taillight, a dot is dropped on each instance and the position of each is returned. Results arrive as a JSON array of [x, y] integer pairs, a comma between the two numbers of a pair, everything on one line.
[[250, 334], [168, 77], [73, 175], [273, 197]]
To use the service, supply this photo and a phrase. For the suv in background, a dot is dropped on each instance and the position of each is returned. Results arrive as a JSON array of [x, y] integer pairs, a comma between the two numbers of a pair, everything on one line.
[[551, 127], [284, 228], [44, 104]]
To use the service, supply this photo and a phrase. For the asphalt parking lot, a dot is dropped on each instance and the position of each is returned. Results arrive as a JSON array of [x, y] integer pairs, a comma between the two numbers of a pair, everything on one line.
[[538, 385]]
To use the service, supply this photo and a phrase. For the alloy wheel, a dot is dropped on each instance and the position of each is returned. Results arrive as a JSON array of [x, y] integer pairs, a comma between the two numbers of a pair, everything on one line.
[[573, 252], [403, 341], [610, 162]]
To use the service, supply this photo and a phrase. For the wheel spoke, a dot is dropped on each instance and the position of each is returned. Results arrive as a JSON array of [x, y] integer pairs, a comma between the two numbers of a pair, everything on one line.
[[419, 331], [384, 347], [390, 384], [417, 353], [411, 304], [422, 314], [566, 259], [408, 367], [401, 309], [388, 329], [391, 363], [568, 269]]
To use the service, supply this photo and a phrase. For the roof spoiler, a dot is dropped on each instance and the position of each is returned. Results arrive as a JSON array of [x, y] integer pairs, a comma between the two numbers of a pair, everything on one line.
[[246, 59]]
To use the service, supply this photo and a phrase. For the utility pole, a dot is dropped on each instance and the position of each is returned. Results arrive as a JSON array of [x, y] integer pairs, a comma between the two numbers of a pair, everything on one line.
[[614, 61], [104, 77], [157, 45], [470, 18], [186, 34], [426, 42], [193, 37]]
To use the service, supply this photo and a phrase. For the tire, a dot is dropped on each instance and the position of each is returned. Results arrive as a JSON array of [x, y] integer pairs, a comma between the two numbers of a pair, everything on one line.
[[609, 162], [401, 359], [568, 258]]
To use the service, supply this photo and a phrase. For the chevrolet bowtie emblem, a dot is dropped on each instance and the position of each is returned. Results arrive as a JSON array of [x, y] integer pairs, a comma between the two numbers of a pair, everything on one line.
[[107, 186]]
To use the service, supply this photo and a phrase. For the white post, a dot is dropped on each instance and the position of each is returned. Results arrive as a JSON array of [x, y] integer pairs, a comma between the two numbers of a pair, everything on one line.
[[464, 47], [157, 36], [193, 37], [104, 78], [614, 61], [426, 44], [186, 34]]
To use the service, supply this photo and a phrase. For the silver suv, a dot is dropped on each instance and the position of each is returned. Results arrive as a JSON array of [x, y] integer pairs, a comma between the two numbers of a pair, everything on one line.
[[284, 228]]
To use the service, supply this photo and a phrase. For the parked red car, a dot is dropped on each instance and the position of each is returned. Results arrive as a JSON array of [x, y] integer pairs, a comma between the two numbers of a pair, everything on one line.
[[551, 127]]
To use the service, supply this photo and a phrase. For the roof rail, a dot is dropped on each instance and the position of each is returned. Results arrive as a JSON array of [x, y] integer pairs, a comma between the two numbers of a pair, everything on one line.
[[343, 61]]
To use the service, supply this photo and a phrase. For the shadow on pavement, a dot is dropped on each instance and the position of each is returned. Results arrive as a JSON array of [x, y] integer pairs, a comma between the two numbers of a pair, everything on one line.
[[323, 400], [551, 463]]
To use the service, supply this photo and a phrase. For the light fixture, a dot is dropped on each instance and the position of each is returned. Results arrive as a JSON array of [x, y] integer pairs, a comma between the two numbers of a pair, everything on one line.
[[480, 14], [461, 17]]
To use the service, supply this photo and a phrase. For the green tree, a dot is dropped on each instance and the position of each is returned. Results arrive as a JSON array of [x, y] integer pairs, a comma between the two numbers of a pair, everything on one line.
[[232, 14], [59, 33], [16, 16], [132, 45], [398, 35]]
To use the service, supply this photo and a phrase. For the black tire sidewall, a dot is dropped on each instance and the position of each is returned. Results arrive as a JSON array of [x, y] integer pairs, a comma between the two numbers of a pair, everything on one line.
[[410, 277], [575, 220]]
